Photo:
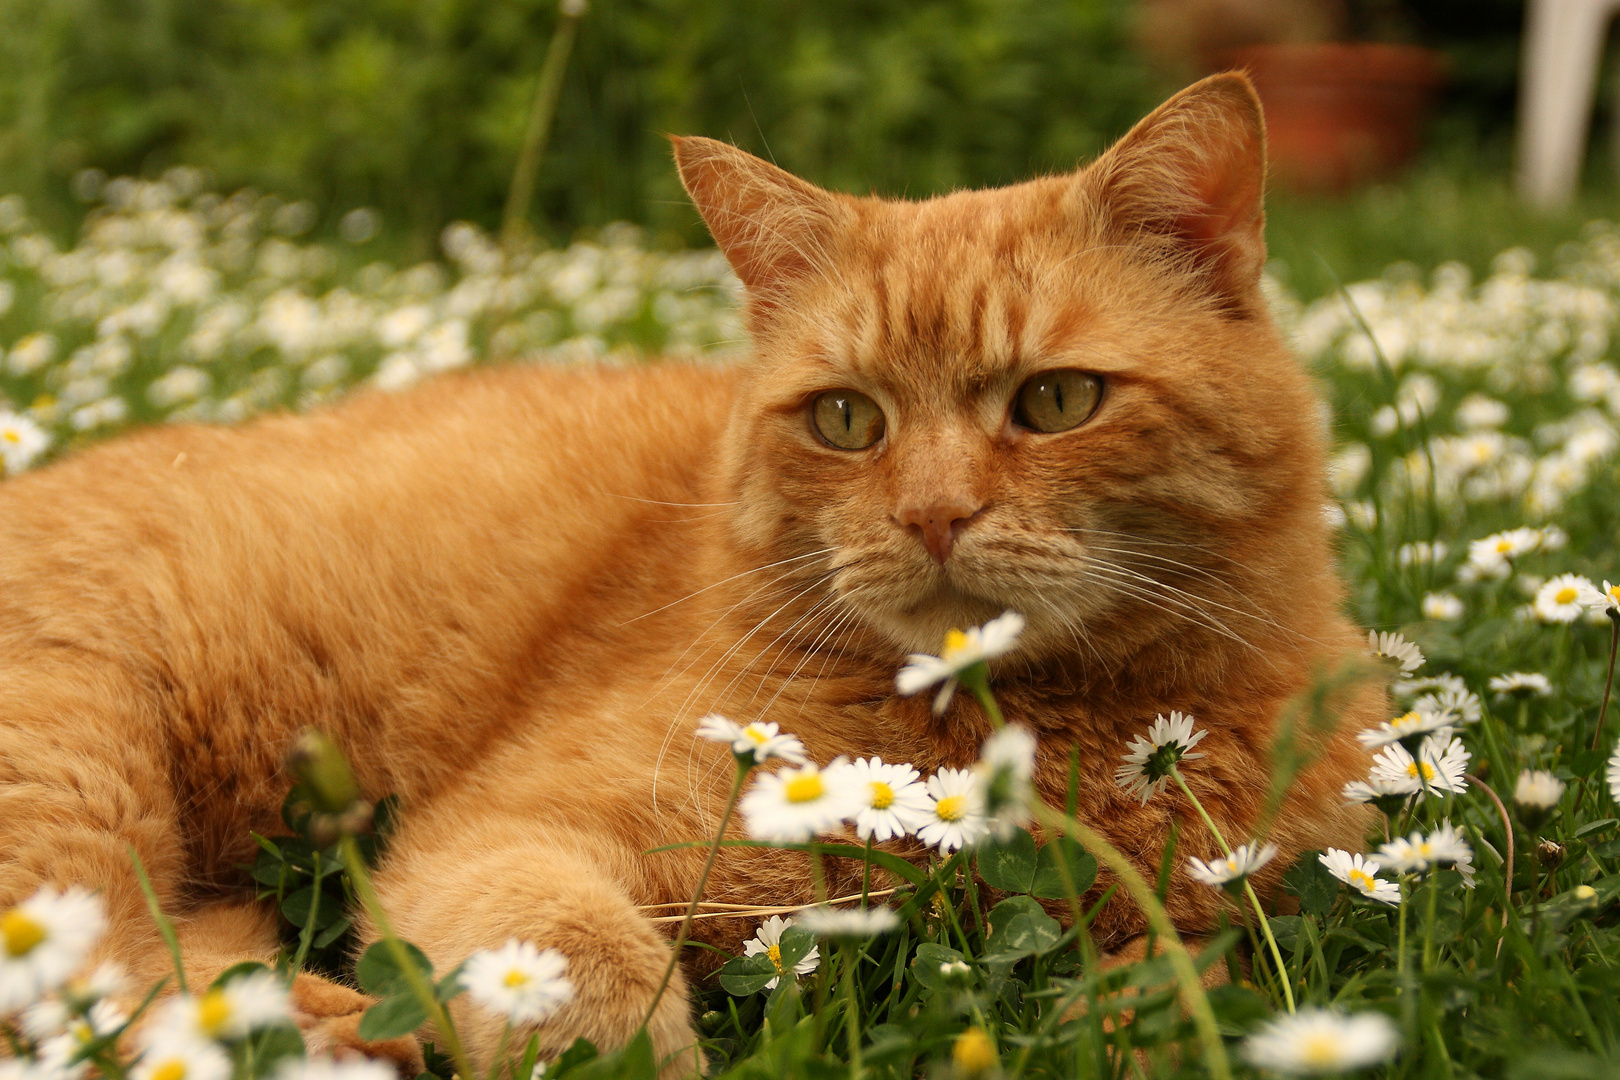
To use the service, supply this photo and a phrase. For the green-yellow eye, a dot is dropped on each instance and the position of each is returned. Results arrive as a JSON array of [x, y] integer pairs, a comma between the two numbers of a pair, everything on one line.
[[1057, 400], [847, 419]]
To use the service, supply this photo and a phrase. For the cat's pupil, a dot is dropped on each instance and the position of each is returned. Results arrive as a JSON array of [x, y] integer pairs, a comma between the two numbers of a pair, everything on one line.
[[848, 413], [1057, 395]]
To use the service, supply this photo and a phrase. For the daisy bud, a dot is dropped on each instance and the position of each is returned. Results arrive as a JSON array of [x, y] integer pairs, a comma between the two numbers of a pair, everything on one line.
[[326, 778], [1536, 795], [1550, 853]]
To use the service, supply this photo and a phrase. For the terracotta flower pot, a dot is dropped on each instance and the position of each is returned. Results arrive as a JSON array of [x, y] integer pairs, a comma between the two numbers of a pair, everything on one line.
[[1338, 115]]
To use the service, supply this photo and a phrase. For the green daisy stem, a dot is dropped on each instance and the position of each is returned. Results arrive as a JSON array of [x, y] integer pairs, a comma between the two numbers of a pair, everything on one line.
[[852, 1019], [421, 988], [977, 679], [1248, 890], [1400, 946], [1428, 924], [499, 1062], [866, 872], [1608, 684], [744, 766], [1192, 988]]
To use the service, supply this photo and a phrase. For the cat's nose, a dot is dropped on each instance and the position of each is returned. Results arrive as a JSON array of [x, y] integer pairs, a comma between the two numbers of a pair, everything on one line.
[[937, 525]]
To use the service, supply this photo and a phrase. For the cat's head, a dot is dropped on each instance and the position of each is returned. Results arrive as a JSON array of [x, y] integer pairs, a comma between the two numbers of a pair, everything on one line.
[[1064, 397]]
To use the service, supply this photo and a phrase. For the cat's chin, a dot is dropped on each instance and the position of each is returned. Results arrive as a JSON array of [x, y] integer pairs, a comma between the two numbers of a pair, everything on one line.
[[920, 626]]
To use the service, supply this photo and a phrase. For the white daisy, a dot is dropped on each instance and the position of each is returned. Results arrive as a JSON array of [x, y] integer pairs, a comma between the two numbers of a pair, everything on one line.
[[21, 441], [790, 806], [245, 1004], [1606, 602], [43, 940], [1538, 789], [1386, 794], [322, 1068], [53, 1017], [1232, 870], [1565, 598], [895, 801], [1521, 684], [1492, 556], [758, 741], [1318, 1041], [520, 981], [1443, 607], [1612, 775], [1422, 553], [963, 649], [1405, 655], [1437, 683], [172, 1055], [1407, 729], [957, 813], [1005, 770], [1437, 768], [1148, 761], [1416, 853], [848, 923], [74, 1032], [1461, 703], [768, 940], [1360, 875]]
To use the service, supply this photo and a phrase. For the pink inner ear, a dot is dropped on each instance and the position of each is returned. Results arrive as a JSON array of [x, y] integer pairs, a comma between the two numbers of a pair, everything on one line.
[[1230, 196], [1228, 188]]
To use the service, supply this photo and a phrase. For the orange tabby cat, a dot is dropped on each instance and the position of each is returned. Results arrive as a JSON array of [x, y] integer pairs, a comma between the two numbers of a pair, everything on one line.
[[510, 594]]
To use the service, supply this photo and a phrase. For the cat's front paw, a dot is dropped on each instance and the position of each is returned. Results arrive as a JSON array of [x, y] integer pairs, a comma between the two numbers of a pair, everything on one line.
[[329, 1017]]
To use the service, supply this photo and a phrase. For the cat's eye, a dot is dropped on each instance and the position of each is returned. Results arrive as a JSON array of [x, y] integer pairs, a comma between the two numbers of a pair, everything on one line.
[[1057, 400], [846, 419]]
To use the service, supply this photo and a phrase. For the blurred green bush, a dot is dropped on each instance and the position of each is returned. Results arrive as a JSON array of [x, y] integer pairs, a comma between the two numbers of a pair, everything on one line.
[[417, 107]]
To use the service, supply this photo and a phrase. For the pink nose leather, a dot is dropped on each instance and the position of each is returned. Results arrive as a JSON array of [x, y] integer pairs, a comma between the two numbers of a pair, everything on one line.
[[937, 525]]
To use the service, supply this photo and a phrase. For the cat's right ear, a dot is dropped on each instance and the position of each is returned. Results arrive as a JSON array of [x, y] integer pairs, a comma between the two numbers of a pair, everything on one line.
[[774, 228], [1188, 183]]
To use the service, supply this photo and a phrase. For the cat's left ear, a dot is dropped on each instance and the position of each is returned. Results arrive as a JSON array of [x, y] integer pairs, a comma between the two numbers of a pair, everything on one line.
[[774, 228], [1188, 182]]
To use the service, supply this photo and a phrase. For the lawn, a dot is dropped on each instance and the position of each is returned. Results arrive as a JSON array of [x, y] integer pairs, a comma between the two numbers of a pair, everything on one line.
[[1474, 399]]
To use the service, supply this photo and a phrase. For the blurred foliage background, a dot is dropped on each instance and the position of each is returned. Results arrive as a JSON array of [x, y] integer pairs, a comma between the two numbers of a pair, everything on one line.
[[417, 108]]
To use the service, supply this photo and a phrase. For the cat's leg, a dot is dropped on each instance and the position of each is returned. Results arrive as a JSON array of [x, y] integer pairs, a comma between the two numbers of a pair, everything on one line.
[[83, 783], [465, 890]]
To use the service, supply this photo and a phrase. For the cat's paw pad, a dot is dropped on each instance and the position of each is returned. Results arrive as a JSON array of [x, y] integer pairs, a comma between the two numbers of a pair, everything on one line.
[[329, 1016]]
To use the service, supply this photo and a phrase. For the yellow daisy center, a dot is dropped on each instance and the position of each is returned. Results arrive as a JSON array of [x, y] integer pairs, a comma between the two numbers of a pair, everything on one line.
[[775, 953], [11, 435], [20, 933], [1614, 594], [515, 979], [973, 1051], [1363, 880], [1420, 769], [951, 808], [882, 795], [755, 734], [173, 1069], [1566, 595], [1411, 719], [1504, 546], [213, 1011], [956, 643], [1425, 849], [44, 401], [1319, 1051], [803, 789]]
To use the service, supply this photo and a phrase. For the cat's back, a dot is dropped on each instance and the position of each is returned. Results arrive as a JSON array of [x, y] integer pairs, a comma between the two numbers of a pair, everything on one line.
[[374, 565]]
